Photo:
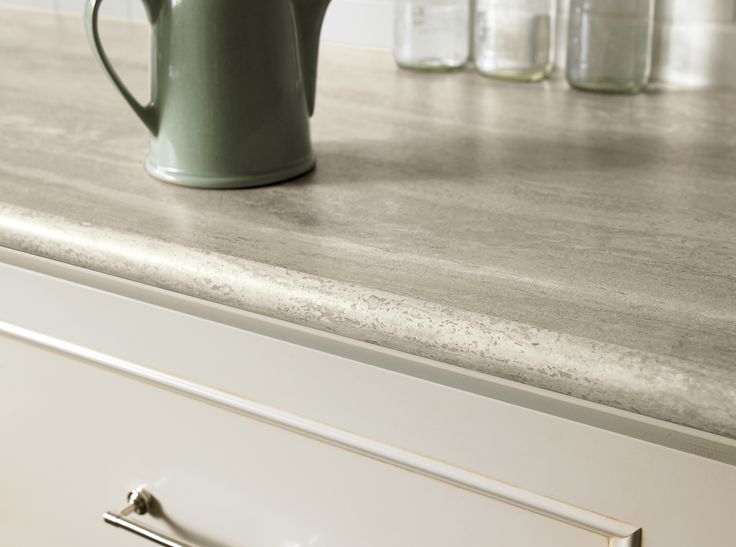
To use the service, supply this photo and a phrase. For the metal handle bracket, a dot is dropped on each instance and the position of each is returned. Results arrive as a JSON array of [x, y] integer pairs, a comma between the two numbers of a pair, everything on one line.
[[139, 502]]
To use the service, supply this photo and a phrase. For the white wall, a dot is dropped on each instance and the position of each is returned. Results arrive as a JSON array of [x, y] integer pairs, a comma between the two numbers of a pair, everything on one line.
[[695, 39], [360, 22]]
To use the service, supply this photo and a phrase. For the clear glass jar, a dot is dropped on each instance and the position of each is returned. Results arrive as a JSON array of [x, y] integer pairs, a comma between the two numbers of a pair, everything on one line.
[[515, 39], [609, 45], [432, 34]]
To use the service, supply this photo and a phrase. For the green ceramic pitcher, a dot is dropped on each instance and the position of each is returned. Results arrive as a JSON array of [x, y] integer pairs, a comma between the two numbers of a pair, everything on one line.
[[232, 88]]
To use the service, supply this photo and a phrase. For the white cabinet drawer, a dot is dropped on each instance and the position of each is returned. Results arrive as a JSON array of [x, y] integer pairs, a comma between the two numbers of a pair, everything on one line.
[[76, 438], [219, 413]]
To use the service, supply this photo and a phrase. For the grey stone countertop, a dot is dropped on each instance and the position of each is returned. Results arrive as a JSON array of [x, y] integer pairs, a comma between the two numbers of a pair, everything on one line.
[[580, 243]]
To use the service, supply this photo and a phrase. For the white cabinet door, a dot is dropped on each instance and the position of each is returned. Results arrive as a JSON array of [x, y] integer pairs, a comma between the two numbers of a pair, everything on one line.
[[325, 441]]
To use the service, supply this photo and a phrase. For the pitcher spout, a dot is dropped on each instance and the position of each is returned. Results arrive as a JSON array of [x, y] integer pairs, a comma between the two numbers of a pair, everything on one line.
[[309, 15]]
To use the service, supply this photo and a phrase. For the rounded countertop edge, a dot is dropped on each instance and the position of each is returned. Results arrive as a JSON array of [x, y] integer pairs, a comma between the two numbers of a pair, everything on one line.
[[657, 386]]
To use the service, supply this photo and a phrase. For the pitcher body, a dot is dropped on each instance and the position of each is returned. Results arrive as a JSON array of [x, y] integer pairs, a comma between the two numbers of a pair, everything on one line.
[[230, 100]]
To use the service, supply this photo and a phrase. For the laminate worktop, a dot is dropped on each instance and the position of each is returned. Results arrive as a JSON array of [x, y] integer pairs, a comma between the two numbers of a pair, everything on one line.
[[579, 243]]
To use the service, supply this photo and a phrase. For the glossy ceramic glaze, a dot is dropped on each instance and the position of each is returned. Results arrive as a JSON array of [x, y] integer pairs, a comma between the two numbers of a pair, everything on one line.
[[232, 89]]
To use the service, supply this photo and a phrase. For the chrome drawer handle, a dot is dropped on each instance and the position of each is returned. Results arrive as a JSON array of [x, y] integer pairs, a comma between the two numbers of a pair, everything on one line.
[[139, 501]]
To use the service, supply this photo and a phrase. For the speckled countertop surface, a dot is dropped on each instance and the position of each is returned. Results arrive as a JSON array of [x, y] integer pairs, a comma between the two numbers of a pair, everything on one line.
[[574, 242]]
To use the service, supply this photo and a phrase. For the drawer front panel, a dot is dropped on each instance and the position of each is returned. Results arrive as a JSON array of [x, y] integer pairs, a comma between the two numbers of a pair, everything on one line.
[[76, 438]]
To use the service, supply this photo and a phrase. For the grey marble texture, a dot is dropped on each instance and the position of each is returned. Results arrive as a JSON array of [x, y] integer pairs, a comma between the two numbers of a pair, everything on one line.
[[578, 243]]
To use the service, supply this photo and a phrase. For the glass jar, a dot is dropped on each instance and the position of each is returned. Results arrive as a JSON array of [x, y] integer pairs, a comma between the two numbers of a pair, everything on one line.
[[609, 47], [514, 39], [431, 34]]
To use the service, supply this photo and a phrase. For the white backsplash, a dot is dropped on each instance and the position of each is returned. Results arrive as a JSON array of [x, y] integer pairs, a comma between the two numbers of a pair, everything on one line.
[[359, 22], [694, 45]]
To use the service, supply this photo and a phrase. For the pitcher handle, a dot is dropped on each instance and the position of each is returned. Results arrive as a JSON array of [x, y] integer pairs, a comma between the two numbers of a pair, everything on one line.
[[146, 113]]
